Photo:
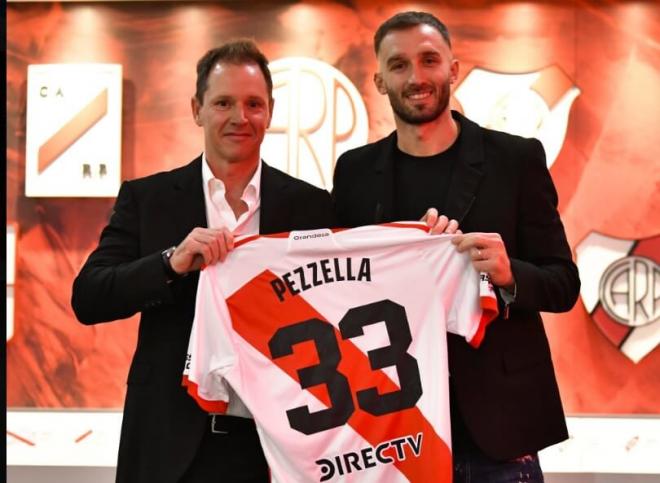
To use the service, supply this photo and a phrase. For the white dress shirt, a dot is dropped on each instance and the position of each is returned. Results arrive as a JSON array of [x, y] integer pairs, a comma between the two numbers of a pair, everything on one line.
[[218, 212]]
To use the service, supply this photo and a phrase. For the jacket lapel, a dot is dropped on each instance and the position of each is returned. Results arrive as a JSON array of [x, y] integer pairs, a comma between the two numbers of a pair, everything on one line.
[[187, 207], [467, 172], [273, 208], [383, 181]]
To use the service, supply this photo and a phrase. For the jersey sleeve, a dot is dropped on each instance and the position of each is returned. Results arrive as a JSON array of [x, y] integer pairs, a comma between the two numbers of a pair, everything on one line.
[[474, 306], [210, 349]]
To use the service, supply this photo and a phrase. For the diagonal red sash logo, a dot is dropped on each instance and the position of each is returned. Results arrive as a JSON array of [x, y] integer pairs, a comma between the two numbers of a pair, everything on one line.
[[435, 458]]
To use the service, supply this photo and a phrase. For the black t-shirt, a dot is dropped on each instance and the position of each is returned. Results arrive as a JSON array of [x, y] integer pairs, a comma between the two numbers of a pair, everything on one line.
[[423, 182]]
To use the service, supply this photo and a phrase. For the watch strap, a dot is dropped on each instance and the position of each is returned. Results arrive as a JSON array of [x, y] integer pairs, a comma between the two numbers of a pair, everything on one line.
[[166, 256]]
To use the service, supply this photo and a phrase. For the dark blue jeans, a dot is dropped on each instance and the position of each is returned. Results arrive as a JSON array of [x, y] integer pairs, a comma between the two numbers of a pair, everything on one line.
[[472, 466]]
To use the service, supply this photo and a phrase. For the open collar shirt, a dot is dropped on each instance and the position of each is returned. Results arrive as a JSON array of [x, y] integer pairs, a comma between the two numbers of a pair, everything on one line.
[[219, 213]]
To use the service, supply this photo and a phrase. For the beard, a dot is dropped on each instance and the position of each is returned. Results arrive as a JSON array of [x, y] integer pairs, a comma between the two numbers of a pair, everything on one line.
[[417, 114]]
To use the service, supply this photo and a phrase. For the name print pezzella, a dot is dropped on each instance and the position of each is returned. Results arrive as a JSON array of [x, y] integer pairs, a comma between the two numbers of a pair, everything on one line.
[[319, 272]]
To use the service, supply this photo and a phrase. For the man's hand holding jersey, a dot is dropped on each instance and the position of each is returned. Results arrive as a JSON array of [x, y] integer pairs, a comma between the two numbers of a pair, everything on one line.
[[202, 247], [488, 255], [439, 224], [486, 250]]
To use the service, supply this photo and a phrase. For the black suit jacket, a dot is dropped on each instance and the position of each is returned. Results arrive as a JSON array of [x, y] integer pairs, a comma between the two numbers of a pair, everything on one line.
[[506, 390], [162, 425]]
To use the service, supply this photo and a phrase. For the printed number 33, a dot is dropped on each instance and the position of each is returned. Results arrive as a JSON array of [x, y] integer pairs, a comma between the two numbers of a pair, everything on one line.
[[325, 372]]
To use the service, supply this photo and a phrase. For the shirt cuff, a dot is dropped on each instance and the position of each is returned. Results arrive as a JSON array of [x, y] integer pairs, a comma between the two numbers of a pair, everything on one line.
[[507, 295]]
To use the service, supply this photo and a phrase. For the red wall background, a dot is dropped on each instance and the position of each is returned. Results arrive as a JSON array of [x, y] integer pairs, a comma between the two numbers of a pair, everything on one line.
[[607, 174]]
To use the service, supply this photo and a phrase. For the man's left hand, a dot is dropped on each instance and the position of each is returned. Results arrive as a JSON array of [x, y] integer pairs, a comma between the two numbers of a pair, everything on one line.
[[488, 255]]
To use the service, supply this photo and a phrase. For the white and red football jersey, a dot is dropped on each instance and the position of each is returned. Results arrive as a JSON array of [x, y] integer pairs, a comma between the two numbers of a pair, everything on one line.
[[336, 343]]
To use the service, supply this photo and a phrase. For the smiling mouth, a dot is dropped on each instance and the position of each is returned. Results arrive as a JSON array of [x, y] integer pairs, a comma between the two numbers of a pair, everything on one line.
[[419, 96]]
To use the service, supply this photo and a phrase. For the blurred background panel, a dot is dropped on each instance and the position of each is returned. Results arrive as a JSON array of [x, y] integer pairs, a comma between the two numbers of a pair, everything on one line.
[[584, 75]]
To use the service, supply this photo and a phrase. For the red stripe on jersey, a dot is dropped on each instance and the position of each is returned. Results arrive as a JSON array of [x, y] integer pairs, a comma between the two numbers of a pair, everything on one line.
[[417, 226], [488, 313], [243, 241], [257, 314], [285, 234], [205, 404]]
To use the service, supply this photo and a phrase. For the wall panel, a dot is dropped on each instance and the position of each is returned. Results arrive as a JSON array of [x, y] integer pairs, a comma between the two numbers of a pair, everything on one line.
[[607, 172]]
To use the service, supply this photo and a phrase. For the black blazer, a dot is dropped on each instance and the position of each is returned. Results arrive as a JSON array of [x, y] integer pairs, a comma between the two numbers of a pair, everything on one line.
[[162, 425], [506, 390]]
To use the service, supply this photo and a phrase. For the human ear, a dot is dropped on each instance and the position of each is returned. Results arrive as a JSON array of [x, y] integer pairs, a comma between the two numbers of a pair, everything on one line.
[[453, 71], [380, 84], [194, 107]]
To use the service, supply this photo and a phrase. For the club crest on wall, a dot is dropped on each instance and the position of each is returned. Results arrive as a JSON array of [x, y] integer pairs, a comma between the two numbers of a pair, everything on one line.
[[534, 104], [318, 115], [621, 290]]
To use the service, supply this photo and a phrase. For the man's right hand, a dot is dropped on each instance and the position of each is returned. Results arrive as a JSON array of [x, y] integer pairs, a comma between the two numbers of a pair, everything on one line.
[[202, 247]]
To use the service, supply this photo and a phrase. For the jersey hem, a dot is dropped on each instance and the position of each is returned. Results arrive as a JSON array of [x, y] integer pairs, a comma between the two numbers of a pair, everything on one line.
[[205, 404]]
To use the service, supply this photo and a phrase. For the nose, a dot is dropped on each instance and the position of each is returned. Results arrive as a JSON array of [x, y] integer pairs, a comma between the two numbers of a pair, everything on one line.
[[238, 114], [416, 73]]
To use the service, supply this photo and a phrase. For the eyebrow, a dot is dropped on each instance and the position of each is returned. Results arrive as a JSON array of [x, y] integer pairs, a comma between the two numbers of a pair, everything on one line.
[[403, 58], [396, 58], [256, 98], [249, 97]]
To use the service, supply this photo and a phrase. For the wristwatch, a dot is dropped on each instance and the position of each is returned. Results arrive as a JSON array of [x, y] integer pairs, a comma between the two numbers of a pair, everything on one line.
[[166, 256]]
